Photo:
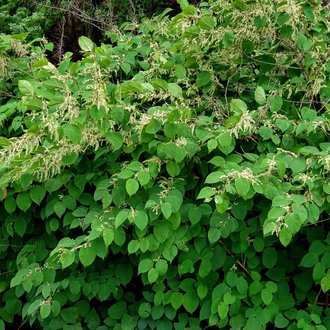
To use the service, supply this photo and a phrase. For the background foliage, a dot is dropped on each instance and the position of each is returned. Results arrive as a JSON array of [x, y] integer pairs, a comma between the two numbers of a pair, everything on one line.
[[176, 177]]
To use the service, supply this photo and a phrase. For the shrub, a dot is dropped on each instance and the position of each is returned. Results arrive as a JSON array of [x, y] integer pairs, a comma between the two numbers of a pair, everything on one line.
[[17, 16], [175, 178]]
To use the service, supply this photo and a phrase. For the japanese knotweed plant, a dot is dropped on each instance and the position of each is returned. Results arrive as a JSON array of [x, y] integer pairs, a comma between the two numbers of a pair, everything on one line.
[[177, 178], [21, 16]]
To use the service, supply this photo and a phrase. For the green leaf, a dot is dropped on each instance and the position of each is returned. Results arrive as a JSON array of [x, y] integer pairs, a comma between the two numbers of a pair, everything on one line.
[[4, 141], [214, 177], [72, 132], [297, 165], [206, 192], [19, 277], [35, 105], [205, 268], [194, 215], [141, 219], [132, 186], [190, 302], [99, 247], [86, 44], [309, 150], [266, 296], [304, 43], [75, 287], [145, 265], [121, 217], [242, 285], [226, 143], [276, 103], [176, 300], [23, 201], [126, 67], [143, 177], [54, 224], [34, 306], [202, 291], [189, 10], [86, 256], [115, 139], [67, 258], [325, 283], [228, 298], [258, 244], [175, 199], [59, 209], [180, 71], [56, 307], [166, 209], [308, 114], [285, 236], [222, 203], [203, 78], [271, 286], [10, 204], [211, 145], [45, 310], [37, 194], [223, 310], [161, 266], [152, 275], [20, 226], [144, 310], [260, 95], [318, 271], [153, 126], [228, 39], [25, 181], [133, 246], [240, 5], [255, 288], [280, 321], [175, 90], [242, 186], [238, 106], [131, 168], [214, 235], [173, 168], [108, 236], [53, 83], [326, 188], [175, 152], [69, 158], [253, 323], [53, 184], [25, 87], [309, 260], [206, 23], [128, 172], [265, 132], [161, 231], [188, 285], [147, 87], [117, 310]]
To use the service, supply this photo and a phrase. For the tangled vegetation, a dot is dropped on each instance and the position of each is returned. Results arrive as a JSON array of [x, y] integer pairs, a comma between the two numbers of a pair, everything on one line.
[[176, 177]]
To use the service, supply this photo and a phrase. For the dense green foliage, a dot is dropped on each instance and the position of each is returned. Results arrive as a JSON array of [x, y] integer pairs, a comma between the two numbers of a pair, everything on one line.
[[39, 17], [63, 21], [17, 16], [175, 178]]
